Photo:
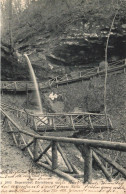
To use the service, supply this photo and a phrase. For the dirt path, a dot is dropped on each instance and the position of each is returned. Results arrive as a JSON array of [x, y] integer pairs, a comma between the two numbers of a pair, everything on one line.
[[15, 160]]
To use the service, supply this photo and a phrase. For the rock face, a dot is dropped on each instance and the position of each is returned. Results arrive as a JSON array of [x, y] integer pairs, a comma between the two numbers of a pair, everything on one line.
[[79, 45], [11, 66], [88, 49]]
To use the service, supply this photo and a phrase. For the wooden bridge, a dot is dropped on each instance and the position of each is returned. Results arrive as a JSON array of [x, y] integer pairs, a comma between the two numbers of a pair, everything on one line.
[[47, 151], [26, 86], [62, 121]]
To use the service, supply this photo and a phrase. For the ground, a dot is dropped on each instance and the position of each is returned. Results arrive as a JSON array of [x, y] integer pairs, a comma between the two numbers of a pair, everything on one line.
[[14, 160]]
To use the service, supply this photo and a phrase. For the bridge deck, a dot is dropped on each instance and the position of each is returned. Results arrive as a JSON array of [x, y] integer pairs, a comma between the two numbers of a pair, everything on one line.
[[62, 121]]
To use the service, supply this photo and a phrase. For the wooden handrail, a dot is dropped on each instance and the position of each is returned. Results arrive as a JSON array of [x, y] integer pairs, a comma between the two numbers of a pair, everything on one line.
[[56, 121], [10, 107], [86, 75], [94, 143], [65, 114], [54, 114]]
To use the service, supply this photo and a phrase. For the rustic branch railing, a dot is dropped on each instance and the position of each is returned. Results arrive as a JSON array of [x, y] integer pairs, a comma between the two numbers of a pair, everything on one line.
[[87, 74], [62, 121], [34, 144], [115, 67], [71, 121]]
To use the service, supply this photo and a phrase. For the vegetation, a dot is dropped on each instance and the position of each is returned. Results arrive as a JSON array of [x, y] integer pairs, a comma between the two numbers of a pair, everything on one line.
[[56, 17]]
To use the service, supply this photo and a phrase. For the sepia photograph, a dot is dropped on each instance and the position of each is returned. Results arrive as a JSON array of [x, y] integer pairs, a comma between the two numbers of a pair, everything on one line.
[[63, 96]]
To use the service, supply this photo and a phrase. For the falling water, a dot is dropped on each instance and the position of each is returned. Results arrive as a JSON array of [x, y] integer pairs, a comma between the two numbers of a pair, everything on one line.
[[35, 83]]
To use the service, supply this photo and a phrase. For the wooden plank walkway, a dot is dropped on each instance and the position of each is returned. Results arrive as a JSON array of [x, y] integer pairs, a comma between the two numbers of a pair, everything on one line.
[[27, 86]]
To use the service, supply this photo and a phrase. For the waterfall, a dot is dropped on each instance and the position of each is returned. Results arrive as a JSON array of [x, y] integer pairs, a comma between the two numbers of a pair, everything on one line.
[[35, 83]]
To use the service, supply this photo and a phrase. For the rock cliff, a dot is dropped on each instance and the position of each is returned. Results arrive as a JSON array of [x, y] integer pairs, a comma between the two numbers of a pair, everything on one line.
[[58, 44]]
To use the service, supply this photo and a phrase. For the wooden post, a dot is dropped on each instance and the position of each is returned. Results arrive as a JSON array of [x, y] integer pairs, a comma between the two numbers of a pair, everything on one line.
[[91, 122], [87, 164], [66, 77], [49, 121], [54, 125], [15, 87], [34, 124], [54, 155], [35, 151], [72, 123], [56, 82], [110, 123], [49, 83]]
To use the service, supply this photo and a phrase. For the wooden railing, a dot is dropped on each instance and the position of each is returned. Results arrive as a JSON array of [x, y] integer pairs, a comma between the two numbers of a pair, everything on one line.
[[71, 121], [87, 74], [62, 121], [15, 85], [38, 149], [115, 67]]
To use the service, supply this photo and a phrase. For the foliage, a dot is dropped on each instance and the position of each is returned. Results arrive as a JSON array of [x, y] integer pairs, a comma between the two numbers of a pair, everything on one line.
[[58, 16]]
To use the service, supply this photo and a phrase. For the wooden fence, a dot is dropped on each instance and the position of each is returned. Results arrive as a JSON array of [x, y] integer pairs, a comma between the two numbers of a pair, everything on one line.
[[115, 67], [62, 121], [38, 148], [25, 86]]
